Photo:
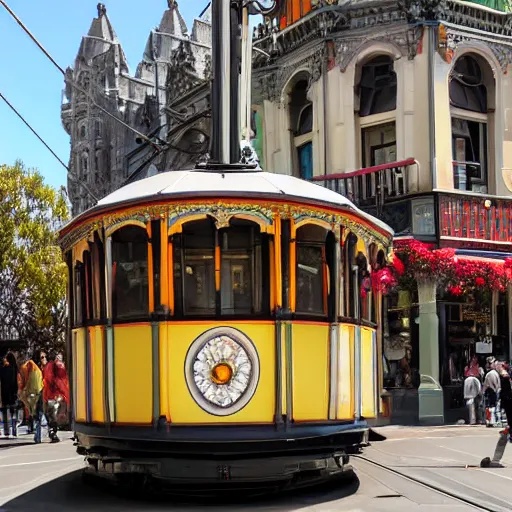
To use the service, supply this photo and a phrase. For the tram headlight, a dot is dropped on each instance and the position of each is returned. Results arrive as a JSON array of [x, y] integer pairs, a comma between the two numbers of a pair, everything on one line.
[[222, 371]]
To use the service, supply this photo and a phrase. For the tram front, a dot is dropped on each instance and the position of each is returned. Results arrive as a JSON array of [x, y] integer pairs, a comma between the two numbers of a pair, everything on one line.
[[218, 329]]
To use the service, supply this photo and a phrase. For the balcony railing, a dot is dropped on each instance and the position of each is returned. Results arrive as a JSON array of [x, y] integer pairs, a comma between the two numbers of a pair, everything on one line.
[[475, 217], [373, 186]]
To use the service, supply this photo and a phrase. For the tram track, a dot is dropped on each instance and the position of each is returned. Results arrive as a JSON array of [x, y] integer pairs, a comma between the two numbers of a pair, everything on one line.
[[477, 500]]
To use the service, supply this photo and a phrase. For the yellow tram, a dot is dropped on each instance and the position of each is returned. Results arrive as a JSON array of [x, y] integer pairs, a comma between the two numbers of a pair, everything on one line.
[[218, 333]]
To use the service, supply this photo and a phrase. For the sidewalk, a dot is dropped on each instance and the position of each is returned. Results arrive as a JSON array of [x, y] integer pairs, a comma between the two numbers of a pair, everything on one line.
[[25, 439]]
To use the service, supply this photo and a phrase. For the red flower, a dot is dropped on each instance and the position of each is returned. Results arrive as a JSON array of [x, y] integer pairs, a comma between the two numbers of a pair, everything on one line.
[[455, 290], [398, 265], [479, 281]]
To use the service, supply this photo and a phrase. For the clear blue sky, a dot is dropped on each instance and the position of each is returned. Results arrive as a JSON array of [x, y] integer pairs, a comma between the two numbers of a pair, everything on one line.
[[34, 86]]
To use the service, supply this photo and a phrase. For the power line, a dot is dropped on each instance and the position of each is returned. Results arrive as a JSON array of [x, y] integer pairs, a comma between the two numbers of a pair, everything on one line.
[[72, 83], [73, 177]]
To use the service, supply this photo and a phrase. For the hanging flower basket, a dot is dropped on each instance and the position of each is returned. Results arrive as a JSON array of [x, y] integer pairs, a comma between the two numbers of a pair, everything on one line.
[[415, 261]]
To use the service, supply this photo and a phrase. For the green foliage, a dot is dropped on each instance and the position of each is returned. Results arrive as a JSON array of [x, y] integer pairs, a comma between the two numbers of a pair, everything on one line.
[[32, 272]]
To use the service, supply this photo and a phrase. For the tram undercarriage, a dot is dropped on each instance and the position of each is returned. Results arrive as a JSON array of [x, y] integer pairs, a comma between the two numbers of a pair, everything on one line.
[[289, 460]]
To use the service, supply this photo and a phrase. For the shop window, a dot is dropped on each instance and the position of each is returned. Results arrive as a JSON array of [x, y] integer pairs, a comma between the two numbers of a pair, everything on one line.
[[244, 270], [301, 123], [312, 273], [401, 342], [377, 87], [130, 273]]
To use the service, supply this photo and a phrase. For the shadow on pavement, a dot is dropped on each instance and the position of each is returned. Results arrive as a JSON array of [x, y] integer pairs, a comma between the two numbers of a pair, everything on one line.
[[70, 492]]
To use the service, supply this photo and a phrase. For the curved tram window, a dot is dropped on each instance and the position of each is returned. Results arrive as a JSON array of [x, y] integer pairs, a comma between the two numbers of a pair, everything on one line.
[[130, 273], [312, 271], [238, 254]]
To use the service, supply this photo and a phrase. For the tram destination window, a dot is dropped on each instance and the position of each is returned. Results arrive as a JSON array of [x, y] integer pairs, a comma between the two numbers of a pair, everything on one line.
[[130, 273], [312, 271]]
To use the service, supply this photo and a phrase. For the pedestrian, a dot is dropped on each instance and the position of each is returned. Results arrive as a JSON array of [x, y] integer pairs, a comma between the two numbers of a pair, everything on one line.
[[55, 395], [31, 394], [506, 402], [9, 392], [491, 392], [472, 395]]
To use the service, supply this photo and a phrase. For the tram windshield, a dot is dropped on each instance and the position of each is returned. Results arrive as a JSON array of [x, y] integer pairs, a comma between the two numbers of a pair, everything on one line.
[[242, 278]]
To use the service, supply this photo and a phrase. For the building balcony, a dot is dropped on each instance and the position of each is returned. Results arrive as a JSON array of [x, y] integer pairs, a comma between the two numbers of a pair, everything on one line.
[[455, 217]]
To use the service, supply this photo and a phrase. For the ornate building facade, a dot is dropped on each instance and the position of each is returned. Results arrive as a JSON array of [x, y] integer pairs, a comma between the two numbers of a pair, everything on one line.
[[405, 108], [167, 100]]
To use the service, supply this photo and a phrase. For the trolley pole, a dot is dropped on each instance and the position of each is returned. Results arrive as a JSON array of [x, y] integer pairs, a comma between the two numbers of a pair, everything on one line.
[[227, 16]]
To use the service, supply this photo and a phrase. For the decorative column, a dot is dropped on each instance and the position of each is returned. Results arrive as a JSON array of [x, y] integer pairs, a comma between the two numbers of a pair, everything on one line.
[[430, 393]]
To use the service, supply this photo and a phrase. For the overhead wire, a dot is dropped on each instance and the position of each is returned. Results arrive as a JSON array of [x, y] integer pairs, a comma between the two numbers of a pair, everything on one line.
[[71, 174], [72, 82]]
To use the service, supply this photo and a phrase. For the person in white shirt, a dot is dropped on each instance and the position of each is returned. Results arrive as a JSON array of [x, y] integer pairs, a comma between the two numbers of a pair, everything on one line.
[[472, 395], [491, 390]]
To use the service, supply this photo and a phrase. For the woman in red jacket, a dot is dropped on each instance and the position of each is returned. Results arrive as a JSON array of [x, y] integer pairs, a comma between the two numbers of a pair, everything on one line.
[[55, 395]]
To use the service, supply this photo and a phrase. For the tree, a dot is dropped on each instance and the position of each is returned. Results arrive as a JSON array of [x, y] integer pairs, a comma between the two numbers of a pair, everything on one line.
[[32, 271]]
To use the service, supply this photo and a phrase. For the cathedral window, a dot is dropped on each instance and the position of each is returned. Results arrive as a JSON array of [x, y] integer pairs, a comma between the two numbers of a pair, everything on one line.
[[98, 128], [83, 131], [84, 164], [301, 122]]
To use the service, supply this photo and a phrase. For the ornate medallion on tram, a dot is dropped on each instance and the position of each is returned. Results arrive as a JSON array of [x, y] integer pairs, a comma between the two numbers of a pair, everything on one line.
[[222, 370]]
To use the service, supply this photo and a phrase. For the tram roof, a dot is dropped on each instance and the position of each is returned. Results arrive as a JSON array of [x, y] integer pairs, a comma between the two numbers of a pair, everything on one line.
[[242, 183]]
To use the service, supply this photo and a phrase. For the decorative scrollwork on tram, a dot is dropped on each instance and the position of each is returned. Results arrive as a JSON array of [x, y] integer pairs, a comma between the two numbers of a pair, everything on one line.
[[222, 371]]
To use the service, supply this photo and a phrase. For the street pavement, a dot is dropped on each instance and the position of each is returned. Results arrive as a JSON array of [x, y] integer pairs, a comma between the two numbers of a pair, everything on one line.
[[48, 477]]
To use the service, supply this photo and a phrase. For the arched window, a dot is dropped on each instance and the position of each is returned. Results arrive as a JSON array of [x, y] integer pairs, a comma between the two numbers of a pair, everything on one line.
[[471, 87], [79, 286], [98, 128], [130, 273], [83, 131], [194, 269], [233, 260], [301, 125], [313, 273], [351, 278], [376, 91], [377, 86], [97, 278]]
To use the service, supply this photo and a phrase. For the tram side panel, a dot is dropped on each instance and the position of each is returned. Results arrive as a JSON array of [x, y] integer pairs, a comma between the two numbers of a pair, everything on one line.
[[346, 372], [310, 370], [184, 404], [133, 374]]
